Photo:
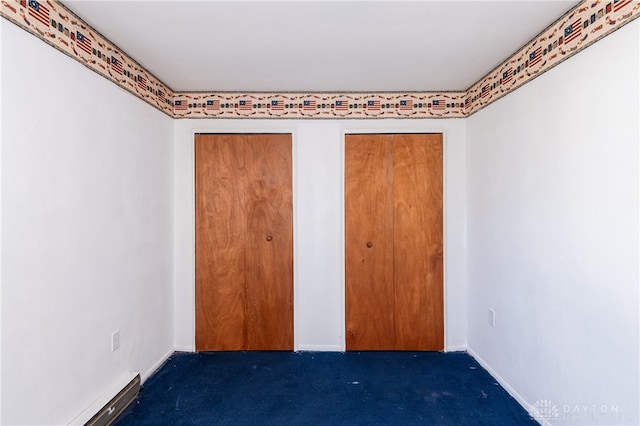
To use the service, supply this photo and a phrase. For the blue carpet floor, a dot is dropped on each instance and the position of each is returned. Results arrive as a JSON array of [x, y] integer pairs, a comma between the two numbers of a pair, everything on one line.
[[323, 388]]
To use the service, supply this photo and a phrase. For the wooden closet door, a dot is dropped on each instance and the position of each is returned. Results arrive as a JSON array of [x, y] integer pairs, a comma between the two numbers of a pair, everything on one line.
[[244, 242], [269, 239], [393, 271], [369, 242], [220, 242], [417, 191]]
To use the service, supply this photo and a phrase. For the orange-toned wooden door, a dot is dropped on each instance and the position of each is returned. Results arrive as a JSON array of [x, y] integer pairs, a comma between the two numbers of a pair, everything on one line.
[[394, 278], [244, 242], [269, 242], [418, 260], [220, 242], [370, 288]]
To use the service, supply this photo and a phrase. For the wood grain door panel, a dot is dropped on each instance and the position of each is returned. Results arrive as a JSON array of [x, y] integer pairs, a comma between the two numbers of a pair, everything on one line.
[[269, 272], [369, 241], [393, 238], [244, 242], [417, 189], [220, 258]]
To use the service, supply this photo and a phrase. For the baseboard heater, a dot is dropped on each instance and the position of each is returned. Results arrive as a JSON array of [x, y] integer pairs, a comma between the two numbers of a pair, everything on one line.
[[106, 409]]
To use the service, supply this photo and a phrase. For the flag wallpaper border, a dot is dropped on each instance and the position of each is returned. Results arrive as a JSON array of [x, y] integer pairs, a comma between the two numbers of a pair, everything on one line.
[[576, 30], [320, 105], [582, 26], [57, 26]]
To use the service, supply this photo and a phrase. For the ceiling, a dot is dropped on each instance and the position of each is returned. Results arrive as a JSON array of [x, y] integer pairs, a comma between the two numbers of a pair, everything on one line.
[[313, 46]]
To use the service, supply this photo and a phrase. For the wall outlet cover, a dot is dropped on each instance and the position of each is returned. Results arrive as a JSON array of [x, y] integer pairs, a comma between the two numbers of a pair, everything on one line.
[[115, 340]]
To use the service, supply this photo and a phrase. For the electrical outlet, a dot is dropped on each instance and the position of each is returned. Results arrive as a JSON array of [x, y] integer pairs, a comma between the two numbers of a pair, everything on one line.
[[492, 317], [115, 340]]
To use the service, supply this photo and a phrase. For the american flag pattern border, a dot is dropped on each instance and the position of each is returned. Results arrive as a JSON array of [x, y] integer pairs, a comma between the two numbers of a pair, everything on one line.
[[56, 25], [582, 26], [319, 105]]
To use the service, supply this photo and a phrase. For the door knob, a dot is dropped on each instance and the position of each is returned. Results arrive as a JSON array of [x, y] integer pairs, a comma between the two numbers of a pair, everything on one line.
[[269, 238]]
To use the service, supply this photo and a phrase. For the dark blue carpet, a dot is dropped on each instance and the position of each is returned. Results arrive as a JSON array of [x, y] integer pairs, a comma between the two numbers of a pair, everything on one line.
[[323, 388]]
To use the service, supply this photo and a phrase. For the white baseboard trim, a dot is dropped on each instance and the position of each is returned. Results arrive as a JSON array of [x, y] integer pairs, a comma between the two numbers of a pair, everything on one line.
[[456, 348], [144, 376], [528, 407], [338, 348], [184, 349], [319, 348]]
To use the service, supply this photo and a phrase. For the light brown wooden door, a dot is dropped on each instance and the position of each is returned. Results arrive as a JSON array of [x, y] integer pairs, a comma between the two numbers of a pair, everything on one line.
[[369, 240], [418, 260], [244, 242], [394, 262], [269, 237]]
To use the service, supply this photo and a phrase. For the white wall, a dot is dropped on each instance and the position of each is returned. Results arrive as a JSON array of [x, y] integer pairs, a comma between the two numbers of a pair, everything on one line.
[[553, 193], [1, 68], [87, 221], [318, 224]]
